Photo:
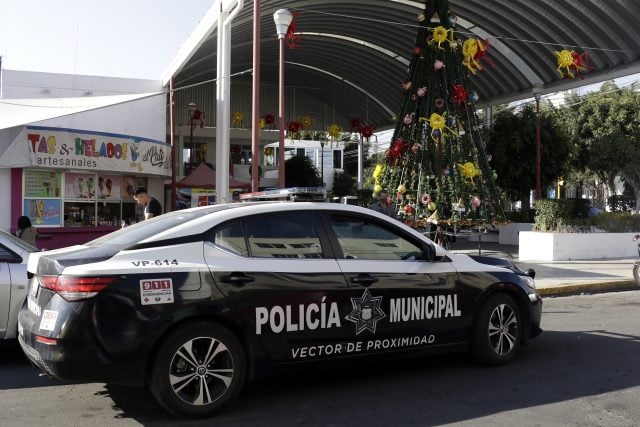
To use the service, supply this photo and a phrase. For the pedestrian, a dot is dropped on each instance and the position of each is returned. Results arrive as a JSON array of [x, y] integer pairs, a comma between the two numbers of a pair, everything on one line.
[[25, 231], [383, 205], [152, 207]]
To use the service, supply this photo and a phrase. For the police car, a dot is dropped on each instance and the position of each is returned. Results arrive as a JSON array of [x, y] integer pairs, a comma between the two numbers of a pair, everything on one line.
[[195, 302]]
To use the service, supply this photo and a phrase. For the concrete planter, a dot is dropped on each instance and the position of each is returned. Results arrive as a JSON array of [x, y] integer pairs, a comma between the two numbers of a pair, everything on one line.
[[534, 245], [508, 233]]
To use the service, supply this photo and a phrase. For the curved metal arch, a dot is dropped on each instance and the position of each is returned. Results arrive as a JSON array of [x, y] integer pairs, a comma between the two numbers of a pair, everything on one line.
[[361, 42], [345, 81], [524, 37]]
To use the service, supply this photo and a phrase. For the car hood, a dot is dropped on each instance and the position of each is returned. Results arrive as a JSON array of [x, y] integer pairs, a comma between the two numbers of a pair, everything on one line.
[[498, 262]]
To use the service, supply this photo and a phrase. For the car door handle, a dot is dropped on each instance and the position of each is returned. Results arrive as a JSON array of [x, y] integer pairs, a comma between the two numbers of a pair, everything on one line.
[[236, 279], [364, 280]]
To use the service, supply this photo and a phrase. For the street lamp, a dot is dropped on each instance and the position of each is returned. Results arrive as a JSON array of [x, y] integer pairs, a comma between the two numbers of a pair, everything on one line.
[[536, 94], [282, 18], [195, 116], [191, 110], [322, 163]]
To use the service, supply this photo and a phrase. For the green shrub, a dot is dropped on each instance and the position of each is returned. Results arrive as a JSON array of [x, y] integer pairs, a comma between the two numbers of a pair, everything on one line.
[[571, 216], [561, 215], [616, 222], [621, 203]]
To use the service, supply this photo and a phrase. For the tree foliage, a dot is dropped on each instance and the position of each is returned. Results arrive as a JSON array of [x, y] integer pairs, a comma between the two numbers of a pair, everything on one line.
[[300, 172], [606, 128], [343, 184], [512, 144]]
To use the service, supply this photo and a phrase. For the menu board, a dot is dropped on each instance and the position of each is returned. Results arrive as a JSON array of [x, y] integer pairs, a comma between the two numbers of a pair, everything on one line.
[[43, 211], [41, 183], [108, 187], [79, 186]]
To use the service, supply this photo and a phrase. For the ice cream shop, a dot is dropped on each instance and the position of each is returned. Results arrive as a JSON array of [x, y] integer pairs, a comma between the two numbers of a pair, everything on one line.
[[82, 182], [74, 175]]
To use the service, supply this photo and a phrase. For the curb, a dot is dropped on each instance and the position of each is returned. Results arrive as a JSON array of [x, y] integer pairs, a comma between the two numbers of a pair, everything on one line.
[[595, 287]]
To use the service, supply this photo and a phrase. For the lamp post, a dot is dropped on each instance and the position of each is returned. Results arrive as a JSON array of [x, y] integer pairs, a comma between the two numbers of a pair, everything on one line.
[[173, 146], [282, 19], [322, 163], [536, 94], [191, 111]]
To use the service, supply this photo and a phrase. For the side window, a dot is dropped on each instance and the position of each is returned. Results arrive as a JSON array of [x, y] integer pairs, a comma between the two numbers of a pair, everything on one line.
[[7, 255], [291, 235], [231, 238], [361, 239]]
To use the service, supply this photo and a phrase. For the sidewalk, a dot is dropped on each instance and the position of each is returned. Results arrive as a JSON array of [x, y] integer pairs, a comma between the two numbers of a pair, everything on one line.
[[556, 278]]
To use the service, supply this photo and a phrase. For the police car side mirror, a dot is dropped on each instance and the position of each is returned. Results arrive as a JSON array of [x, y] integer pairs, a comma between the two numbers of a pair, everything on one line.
[[429, 252], [531, 273]]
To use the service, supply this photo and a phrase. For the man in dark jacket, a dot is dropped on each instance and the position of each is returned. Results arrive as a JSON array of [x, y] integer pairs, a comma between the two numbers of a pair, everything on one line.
[[152, 207]]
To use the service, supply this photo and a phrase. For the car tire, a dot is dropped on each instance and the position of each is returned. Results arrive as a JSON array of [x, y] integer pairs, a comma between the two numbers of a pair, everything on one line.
[[497, 331], [199, 368]]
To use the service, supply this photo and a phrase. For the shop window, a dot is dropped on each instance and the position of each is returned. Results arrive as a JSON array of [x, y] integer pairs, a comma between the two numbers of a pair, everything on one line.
[[337, 159], [193, 155], [79, 214], [72, 199]]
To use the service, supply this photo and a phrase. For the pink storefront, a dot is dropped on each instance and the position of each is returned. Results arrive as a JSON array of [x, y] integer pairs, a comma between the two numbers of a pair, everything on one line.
[[77, 185]]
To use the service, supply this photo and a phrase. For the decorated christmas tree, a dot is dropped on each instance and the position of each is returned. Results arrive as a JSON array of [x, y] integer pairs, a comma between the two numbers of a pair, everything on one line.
[[437, 164]]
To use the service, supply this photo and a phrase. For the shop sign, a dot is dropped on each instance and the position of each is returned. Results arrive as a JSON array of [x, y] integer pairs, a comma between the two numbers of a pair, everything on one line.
[[72, 149]]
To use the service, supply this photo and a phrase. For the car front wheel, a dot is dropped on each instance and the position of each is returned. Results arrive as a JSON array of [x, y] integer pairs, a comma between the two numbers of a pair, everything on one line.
[[199, 368], [497, 331]]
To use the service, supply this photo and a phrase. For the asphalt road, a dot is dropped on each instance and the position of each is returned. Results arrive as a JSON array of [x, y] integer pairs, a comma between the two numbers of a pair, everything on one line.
[[583, 370]]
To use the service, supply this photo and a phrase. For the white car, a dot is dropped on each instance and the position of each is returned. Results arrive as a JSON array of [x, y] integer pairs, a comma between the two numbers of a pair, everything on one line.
[[14, 254]]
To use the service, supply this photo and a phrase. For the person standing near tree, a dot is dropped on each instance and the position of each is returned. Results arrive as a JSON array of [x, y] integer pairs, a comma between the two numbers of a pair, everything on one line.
[[383, 205], [152, 207]]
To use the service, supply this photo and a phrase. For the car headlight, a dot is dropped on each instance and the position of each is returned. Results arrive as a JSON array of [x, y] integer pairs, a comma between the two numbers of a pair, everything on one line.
[[529, 281]]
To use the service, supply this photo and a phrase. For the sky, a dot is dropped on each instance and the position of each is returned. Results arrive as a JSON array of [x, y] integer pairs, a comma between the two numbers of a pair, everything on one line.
[[115, 38]]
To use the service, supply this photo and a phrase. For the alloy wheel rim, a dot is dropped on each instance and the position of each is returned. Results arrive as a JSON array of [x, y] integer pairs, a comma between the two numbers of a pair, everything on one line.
[[201, 371], [503, 329]]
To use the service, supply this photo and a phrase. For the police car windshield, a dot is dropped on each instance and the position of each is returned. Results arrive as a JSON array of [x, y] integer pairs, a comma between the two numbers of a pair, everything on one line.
[[143, 230]]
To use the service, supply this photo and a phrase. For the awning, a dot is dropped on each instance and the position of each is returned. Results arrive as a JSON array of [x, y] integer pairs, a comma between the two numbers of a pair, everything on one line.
[[205, 177]]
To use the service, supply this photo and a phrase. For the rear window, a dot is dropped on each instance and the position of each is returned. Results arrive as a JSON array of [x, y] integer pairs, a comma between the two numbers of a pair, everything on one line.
[[143, 230]]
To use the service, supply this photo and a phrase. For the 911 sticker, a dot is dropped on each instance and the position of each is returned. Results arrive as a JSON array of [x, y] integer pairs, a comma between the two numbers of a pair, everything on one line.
[[156, 291], [48, 321]]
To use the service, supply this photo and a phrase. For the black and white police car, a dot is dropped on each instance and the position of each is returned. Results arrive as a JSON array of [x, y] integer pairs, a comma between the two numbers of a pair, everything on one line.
[[194, 302]]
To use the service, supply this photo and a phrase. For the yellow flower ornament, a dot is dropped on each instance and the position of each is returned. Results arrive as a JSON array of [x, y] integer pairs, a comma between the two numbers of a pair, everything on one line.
[[334, 131], [441, 35], [471, 49], [237, 119], [438, 124], [469, 171]]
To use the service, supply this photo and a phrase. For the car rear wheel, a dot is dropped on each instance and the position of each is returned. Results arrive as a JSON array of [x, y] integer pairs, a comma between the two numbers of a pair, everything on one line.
[[199, 368], [497, 331]]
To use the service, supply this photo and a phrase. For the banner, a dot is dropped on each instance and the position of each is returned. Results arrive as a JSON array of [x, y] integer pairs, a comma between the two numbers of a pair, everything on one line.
[[108, 187], [42, 183], [73, 149], [79, 186], [42, 211]]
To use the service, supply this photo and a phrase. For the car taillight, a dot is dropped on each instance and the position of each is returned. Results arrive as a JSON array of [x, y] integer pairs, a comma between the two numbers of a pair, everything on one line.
[[74, 288]]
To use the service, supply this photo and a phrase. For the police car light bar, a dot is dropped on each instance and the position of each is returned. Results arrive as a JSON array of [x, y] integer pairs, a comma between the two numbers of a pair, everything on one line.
[[316, 194]]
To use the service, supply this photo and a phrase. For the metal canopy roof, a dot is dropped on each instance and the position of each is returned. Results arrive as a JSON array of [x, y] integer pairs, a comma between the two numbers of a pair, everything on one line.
[[358, 51]]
